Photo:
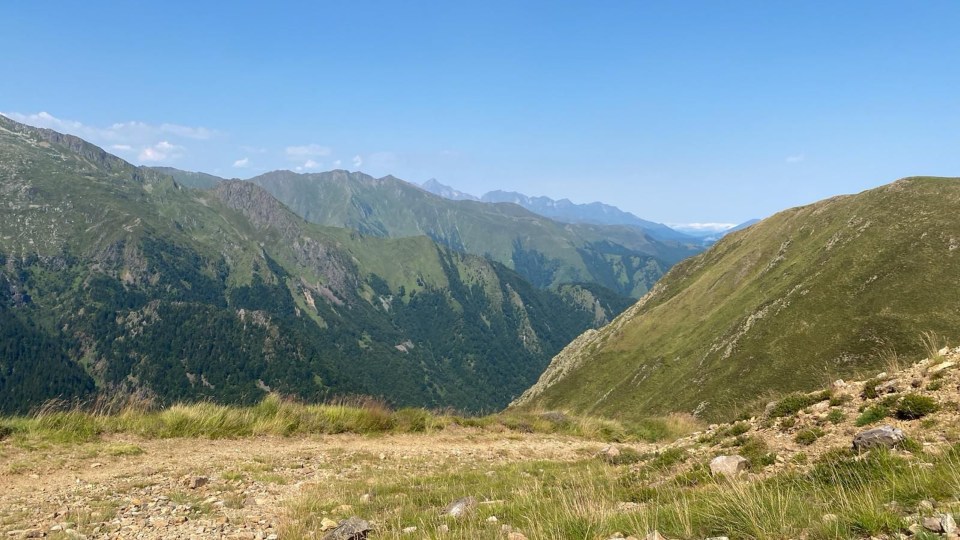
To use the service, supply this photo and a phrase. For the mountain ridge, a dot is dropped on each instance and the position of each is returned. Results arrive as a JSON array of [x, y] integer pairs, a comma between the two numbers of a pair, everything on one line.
[[116, 279], [819, 291]]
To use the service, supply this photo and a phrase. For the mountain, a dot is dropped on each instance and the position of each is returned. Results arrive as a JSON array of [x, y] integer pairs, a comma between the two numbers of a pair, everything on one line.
[[191, 179], [595, 213], [117, 280], [713, 231], [828, 290], [543, 251], [447, 192]]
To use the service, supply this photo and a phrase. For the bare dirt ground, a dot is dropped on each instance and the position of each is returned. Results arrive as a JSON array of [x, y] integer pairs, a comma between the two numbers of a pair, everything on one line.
[[123, 487]]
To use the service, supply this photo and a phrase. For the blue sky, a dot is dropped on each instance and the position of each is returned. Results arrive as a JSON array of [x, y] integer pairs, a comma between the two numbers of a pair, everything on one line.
[[676, 111]]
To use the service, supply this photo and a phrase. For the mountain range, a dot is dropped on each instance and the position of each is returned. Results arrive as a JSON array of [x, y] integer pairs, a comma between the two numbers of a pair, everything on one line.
[[118, 280], [564, 210], [841, 287]]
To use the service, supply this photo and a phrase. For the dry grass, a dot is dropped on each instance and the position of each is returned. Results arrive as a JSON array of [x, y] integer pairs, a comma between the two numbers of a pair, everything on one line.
[[66, 424]]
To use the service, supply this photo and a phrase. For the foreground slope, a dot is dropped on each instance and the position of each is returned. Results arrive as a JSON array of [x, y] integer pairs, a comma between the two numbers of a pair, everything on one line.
[[811, 293], [543, 251], [116, 280]]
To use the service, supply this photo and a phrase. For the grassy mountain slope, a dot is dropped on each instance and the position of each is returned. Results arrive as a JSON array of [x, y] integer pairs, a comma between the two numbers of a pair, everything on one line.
[[545, 252], [115, 279], [812, 293]]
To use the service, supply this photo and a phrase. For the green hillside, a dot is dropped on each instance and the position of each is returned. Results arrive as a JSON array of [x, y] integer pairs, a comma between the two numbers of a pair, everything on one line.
[[116, 280], [545, 252], [813, 293]]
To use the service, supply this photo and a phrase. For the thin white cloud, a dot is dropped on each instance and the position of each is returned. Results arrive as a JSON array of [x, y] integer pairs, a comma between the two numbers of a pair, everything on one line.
[[151, 142], [796, 158], [308, 150], [357, 162], [337, 163], [199, 133], [162, 151], [241, 163]]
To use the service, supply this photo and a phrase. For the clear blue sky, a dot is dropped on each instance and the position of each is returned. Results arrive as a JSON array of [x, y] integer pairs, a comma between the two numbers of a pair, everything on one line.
[[676, 111]]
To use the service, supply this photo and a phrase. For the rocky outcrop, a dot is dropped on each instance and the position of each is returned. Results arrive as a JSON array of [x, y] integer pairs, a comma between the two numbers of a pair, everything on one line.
[[881, 437]]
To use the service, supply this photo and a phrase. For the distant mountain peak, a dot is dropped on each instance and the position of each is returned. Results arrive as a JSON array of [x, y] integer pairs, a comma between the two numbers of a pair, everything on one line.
[[595, 213], [445, 191]]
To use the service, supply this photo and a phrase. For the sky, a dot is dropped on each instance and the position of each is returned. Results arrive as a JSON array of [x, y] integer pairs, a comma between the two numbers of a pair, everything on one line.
[[680, 112]]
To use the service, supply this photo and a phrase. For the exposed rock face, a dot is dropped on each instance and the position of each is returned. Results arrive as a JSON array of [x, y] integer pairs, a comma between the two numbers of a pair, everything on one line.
[[729, 466], [881, 437]]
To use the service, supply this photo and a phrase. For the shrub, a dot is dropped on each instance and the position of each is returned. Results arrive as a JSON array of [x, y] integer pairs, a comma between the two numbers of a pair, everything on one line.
[[835, 416], [872, 414], [807, 437], [913, 406], [668, 458], [794, 403], [787, 423], [757, 452], [839, 399], [870, 388]]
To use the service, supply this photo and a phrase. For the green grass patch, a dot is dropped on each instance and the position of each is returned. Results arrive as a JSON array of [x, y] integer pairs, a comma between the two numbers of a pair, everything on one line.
[[794, 403], [807, 437]]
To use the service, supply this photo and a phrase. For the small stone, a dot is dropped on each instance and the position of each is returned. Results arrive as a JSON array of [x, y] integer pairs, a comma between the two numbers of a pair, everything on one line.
[[609, 452], [366, 497], [444, 528], [729, 466], [409, 530], [460, 507], [889, 387], [941, 367], [932, 524], [195, 482], [327, 524], [925, 506], [829, 518], [516, 536], [655, 535], [947, 523], [492, 519]]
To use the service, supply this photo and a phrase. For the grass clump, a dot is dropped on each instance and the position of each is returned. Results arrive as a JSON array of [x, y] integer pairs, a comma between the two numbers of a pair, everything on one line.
[[757, 452], [807, 437], [870, 388], [835, 416], [872, 414], [914, 406], [794, 403]]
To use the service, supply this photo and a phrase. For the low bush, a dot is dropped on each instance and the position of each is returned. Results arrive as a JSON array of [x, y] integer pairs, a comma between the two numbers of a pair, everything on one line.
[[914, 406], [794, 403], [807, 437]]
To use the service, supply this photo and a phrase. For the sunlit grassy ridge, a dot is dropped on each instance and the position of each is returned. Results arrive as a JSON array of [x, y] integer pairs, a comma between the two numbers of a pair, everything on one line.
[[841, 496], [808, 295], [279, 417]]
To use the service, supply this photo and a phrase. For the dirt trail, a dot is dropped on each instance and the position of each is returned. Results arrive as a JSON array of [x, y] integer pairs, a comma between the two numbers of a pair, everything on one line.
[[124, 487]]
